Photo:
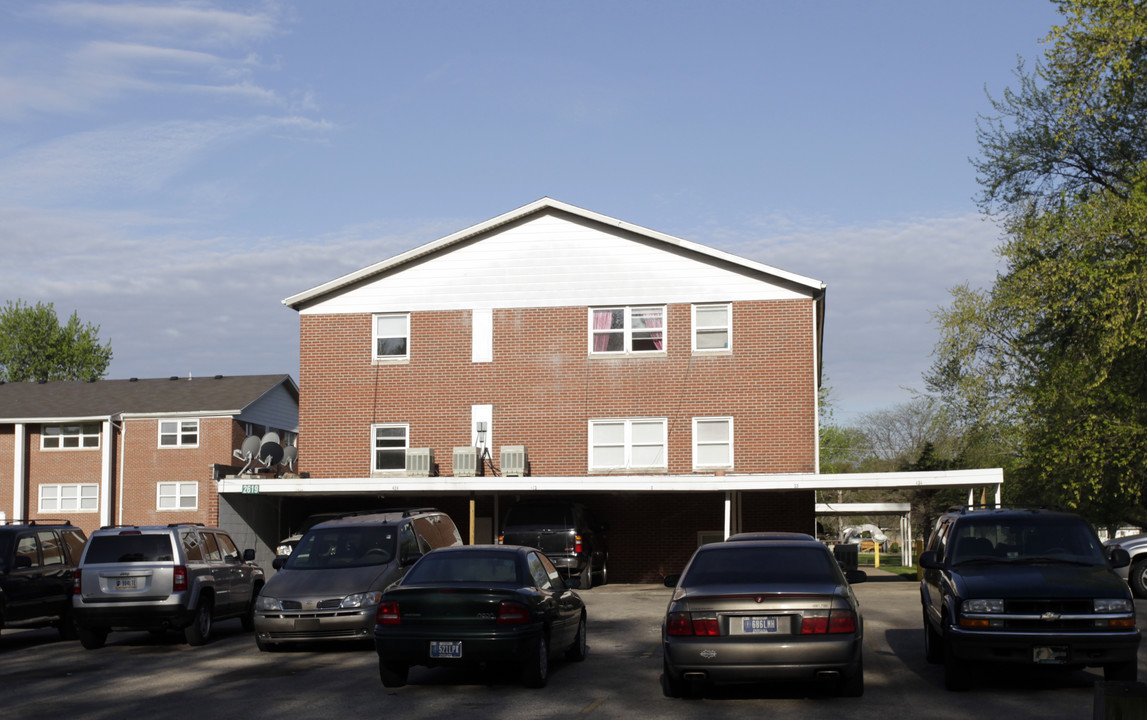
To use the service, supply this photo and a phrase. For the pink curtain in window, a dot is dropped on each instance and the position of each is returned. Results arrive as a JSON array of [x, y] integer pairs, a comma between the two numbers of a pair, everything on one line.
[[658, 338], [602, 320]]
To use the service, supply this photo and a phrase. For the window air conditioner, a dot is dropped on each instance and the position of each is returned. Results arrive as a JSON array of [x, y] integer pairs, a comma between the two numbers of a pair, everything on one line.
[[467, 461], [513, 460], [420, 462]]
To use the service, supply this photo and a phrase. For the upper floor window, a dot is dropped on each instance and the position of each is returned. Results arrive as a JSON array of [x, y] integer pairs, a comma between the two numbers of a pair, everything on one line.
[[64, 437], [628, 444], [712, 442], [627, 329], [712, 327], [179, 433], [390, 444], [72, 497], [392, 337]]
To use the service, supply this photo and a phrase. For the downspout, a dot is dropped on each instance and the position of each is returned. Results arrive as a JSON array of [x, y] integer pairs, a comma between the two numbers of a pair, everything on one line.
[[119, 471], [19, 469]]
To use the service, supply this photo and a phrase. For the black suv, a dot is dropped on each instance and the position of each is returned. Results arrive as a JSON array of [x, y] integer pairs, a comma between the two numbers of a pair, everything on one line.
[[37, 561], [1024, 586], [567, 532]]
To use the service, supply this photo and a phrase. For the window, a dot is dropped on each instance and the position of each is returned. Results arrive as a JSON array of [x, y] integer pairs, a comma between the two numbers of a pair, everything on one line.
[[392, 337], [627, 329], [627, 444], [179, 433], [69, 498], [66, 437], [712, 327], [177, 496], [390, 444], [712, 442]]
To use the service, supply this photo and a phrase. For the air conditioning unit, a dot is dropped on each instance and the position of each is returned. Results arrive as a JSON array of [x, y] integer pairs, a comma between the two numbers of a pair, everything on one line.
[[513, 460], [467, 461], [420, 462]]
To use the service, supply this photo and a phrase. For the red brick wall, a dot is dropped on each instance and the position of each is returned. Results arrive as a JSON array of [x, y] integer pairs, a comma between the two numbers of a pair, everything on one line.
[[545, 387], [7, 463], [67, 466]]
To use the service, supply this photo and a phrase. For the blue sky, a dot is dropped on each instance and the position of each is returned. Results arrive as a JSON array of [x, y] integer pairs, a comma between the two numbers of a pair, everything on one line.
[[174, 170]]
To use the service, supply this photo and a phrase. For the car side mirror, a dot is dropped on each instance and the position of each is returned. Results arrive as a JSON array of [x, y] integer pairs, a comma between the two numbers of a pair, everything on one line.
[[1117, 557], [279, 561], [855, 576], [249, 555], [672, 580], [929, 560], [409, 558]]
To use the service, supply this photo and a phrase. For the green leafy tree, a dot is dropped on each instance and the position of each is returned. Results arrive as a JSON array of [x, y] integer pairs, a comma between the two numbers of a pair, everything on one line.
[[34, 346], [1050, 364]]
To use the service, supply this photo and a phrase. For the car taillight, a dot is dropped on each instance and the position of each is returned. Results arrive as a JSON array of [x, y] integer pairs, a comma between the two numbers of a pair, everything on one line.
[[820, 623], [684, 624], [577, 543], [388, 614], [76, 585], [179, 578], [513, 613], [501, 539]]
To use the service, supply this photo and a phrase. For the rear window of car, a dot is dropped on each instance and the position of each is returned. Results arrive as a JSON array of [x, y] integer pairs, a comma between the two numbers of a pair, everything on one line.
[[129, 549], [775, 564], [538, 516], [490, 568]]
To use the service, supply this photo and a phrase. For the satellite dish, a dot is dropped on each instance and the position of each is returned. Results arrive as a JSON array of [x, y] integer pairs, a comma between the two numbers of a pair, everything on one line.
[[290, 455], [270, 451], [272, 437], [247, 452]]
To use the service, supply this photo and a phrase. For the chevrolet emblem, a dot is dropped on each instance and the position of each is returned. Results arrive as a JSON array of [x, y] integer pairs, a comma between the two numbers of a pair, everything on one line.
[[1049, 616]]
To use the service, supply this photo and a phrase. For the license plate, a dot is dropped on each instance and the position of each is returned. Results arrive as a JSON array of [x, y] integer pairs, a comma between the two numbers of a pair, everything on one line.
[[1049, 655], [753, 625], [127, 583], [443, 649]]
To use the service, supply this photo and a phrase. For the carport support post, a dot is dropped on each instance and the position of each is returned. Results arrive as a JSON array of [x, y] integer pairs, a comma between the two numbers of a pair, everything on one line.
[[471, 519]]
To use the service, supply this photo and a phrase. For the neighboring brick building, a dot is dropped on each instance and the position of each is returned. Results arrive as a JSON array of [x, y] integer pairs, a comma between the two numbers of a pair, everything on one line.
[[138, 452], [617, 357]]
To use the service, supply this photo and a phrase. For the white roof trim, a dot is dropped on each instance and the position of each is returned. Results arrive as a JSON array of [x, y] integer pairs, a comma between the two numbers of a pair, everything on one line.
[[295, 301]]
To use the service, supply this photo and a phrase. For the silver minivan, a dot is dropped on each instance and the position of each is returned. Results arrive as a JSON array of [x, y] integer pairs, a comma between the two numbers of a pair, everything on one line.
[[328, 588]]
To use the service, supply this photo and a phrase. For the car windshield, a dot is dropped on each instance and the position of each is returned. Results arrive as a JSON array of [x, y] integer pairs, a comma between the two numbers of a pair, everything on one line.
[[1026, 539], [129, 548], [746, 565], [469, 567], [339, 547]]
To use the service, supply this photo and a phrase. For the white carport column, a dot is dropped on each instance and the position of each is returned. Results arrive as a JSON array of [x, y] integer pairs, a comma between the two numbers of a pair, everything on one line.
[[19, 469], [106, 466], [728, 514]]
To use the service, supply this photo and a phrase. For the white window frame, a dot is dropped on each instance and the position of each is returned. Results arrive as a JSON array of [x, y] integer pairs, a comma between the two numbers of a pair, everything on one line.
[[627, 331], [727, 327], [177, 491], [82, 437], [178, 433], [56, 498], [375, 337], [628, 445], [697, 443], [374, 448]]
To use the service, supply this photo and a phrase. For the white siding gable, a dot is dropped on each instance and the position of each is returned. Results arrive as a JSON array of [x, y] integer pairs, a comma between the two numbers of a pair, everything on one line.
[[551, 260]]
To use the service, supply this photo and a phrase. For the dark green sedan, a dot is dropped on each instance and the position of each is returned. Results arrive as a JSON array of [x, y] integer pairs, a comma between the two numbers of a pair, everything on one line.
[[481, 605]]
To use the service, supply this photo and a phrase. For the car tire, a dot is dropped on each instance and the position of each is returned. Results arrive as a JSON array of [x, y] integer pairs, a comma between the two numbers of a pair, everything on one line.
[[199, 631], [933, 643], [93, 638], [852, 683], [392, 674], [587, 577], [536, 670], [577, 651], [1121, 672], [956, 671], [66, 625], [1137, 578], [248, 617], [670, 686]]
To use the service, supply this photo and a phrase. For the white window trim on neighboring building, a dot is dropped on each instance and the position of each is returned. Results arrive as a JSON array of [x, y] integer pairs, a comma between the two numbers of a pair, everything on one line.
[[86, 436], [599, 337], [176, 493], [396, 448], [69, 497], [183, 432], [629, 447], [391, 334], [698, 443], [706, 326]]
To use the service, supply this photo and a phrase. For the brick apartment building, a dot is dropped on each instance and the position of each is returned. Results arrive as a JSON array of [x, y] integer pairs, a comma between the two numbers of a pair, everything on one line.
[[665, 383], [137, 451]]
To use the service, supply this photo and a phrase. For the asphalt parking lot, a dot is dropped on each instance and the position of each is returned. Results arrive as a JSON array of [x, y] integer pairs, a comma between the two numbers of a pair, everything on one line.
[[140, 676]]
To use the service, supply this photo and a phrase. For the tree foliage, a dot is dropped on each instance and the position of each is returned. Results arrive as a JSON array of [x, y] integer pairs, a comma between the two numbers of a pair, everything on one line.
[[35, 347], [1051, 361]]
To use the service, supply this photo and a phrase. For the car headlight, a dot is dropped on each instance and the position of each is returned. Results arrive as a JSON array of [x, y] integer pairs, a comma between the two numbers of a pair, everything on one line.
[[267, 604], [983, 605], [359, 600], [1112, 605]]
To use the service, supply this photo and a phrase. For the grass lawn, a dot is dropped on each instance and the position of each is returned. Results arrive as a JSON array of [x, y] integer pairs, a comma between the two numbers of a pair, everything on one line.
[[908, 573]]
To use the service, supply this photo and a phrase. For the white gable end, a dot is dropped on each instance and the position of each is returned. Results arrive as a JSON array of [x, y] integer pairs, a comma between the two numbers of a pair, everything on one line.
[[549, 260]]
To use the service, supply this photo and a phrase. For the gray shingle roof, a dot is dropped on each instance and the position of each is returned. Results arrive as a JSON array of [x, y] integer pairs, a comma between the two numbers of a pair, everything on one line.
[[221, 395]]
